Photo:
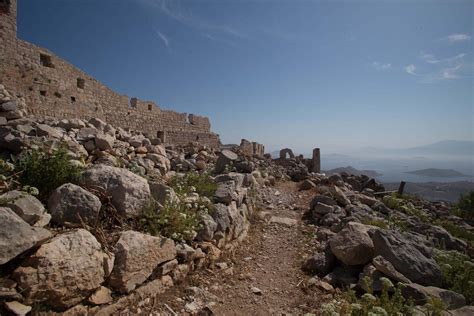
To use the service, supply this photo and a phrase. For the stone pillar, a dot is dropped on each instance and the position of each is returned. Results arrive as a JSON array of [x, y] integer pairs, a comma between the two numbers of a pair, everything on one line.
[[316, 161]]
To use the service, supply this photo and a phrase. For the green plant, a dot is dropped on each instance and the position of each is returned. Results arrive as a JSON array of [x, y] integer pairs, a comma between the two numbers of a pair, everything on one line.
[[194, 182], [46, 169], [404, 205], [174, 219], [465, 207], [371, 304], [375, 222], [457, 231], [458, 272]]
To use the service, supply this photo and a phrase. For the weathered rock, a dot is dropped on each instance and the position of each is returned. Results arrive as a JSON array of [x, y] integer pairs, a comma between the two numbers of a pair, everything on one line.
[[162, 193], [46, 130], [322, 199], [225, 158], [307, 185], [353, 245], [97, 123], [463, 311], [420, 295], [8, 106], [384, 266], [72, 204], [321, 263], [63, 271], [225, 192], [104, 141], [407, 257], [207, 228], [129, 192], [27, 207], [101, 296], [17, 308], [136, 256], [322, 209], [339, 195], [221, 217], [16, 236]]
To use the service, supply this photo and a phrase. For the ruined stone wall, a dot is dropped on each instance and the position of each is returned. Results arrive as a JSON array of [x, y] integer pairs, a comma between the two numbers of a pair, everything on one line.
[[53, 87], [252, 148]]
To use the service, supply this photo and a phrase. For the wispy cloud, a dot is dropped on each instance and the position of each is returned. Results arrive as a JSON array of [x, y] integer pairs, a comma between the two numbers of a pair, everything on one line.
[[431, 59], [381, 66], [173, 10], [458, 37], [411, 69], [163, 37]]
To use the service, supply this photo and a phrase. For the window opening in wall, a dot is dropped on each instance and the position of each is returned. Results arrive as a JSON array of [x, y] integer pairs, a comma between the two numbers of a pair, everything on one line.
[[5, 6], [73, 99], [43, 92], [161, 135], [81, 83], [133, 102], [150, 107], [57, 94], [46, 61]]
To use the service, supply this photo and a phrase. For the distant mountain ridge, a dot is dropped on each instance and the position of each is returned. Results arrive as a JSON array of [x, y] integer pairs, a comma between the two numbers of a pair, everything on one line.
[[445, 147], [433, 172]]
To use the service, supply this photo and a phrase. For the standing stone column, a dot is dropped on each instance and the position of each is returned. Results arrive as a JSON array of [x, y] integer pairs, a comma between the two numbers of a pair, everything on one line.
[[316, 160]]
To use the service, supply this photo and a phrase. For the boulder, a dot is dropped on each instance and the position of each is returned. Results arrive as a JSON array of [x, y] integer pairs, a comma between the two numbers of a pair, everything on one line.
[[101, 296], [321, 263], [307, 185], [384, 266], [27, 207], [420, 294], [72, 204], [104, 141], [407, 256], [48, 131], [8, 106], [162, 193], [16, 236], [322, 199], [225, 192], [63, 271], [352, 245], [207, 227], [129, 192], [339, 195], [136, 256], [221, 217], [225, 158]]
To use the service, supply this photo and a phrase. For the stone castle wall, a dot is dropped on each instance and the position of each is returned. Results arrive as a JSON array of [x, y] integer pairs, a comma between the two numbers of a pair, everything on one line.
[[53, 87], [252, 148]]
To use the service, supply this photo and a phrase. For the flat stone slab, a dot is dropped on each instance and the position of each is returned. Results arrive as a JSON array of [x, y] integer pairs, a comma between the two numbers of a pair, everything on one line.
[[283, 221]]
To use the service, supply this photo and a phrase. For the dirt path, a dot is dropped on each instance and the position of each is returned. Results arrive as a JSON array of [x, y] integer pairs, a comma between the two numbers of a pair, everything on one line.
[[263, 276]]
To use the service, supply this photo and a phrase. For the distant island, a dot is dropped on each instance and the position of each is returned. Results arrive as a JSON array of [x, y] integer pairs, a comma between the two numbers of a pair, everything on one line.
[[433, 172], [354, 171]]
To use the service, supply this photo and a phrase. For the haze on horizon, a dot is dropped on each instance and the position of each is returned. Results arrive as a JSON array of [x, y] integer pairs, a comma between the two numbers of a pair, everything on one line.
[[338, 75]]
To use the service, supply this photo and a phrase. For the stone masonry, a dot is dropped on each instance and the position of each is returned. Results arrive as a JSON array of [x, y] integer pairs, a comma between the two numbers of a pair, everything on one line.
[[54, 88]]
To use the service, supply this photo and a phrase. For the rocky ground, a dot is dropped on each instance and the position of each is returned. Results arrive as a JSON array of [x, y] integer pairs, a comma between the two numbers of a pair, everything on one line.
[[97, 220]]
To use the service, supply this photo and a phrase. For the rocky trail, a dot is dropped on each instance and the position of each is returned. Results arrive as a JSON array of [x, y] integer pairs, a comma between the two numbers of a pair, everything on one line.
[[263, 275]]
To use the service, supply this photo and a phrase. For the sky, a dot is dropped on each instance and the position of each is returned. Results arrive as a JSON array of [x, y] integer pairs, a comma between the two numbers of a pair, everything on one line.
[[338, 75]]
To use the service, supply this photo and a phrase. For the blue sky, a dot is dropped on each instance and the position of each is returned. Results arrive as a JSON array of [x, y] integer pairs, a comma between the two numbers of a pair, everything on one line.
[[332, 74]]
